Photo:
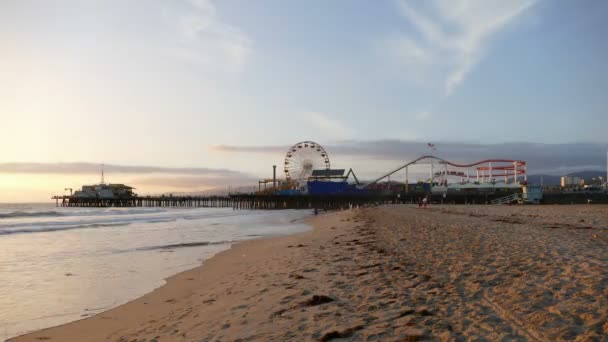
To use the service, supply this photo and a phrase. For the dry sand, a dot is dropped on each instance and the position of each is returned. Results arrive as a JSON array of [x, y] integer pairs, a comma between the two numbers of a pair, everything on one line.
[[393, 273]]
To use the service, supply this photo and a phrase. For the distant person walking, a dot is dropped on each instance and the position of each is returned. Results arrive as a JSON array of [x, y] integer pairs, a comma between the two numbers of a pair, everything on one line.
[[419, 202], [424, 201]]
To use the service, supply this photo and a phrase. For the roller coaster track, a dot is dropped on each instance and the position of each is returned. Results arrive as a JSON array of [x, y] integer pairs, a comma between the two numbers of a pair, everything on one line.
[[518, 163]]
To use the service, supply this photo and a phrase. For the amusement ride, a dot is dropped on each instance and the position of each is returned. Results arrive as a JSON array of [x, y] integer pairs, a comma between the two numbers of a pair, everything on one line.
[[302, 159]]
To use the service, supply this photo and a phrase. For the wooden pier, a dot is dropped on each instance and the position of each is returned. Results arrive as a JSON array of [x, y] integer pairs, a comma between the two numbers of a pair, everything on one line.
[[264, 202], [146, 201], [237, 202], [329, 202]]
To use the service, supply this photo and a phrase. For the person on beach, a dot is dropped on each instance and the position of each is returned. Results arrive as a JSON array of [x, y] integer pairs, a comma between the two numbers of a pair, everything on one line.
[[424, 200], [419, 202]]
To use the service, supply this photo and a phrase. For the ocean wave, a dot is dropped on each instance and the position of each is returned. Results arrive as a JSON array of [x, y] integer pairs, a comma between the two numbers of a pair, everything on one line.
[[185, 245], [60, 228], [79, 212], [161, 220], [31, 214]]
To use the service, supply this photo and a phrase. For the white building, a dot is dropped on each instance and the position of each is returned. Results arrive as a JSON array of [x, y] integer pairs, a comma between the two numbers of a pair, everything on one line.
[[568, 181], [105, 191]]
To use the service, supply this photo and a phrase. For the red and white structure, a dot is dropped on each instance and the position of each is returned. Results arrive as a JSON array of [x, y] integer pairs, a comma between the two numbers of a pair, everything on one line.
[[487, 171], [490, 171]]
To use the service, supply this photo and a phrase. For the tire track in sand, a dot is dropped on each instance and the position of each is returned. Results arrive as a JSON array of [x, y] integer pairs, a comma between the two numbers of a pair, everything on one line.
[[513, 321]]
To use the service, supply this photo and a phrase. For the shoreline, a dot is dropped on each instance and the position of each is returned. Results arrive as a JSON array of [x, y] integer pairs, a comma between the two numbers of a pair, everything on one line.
[[178, 282], [62, 282], [392, 273]]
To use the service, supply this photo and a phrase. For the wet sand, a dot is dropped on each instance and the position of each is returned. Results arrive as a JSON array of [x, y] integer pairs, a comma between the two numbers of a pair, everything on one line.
[[391, 273]]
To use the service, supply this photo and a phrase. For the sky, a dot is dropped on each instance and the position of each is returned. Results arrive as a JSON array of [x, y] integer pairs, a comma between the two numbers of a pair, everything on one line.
[[192, 95]]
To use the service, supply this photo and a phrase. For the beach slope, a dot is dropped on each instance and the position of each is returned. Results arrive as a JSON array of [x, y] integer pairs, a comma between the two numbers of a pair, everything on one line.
[[391, 273]]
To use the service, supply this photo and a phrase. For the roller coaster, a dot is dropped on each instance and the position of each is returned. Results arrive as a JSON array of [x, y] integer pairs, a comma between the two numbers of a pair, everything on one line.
[[485, 171]]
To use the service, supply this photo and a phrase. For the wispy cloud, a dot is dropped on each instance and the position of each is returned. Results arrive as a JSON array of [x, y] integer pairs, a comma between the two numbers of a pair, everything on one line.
[[329, 126], [204, 38], [452, 35], [423, 114]]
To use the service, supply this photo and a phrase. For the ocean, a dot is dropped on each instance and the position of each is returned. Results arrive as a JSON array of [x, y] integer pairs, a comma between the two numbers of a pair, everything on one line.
[[58, 265]]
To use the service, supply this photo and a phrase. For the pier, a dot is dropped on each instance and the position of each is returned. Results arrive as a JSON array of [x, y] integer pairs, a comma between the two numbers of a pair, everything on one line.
[[146, 201], [277, 202], [237, 202], [329, 202]]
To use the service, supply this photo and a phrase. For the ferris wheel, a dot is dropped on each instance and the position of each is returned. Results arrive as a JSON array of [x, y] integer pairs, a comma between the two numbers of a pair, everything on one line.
[[304, 157]]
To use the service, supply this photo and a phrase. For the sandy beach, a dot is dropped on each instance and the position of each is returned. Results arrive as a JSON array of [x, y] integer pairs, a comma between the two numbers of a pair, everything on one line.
[[392, 273]]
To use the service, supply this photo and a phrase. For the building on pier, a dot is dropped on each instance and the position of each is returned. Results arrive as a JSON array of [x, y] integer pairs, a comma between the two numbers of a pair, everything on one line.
[[105, 191]]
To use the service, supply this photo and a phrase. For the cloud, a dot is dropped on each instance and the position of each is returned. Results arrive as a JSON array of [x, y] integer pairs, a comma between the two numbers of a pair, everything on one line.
[[423, 114], [204, 38], [195, 182], [141, 177], [408, 51], [541, 158], [249, 149], [149, 179], [452, 35], [93, 168], [328, 126]]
